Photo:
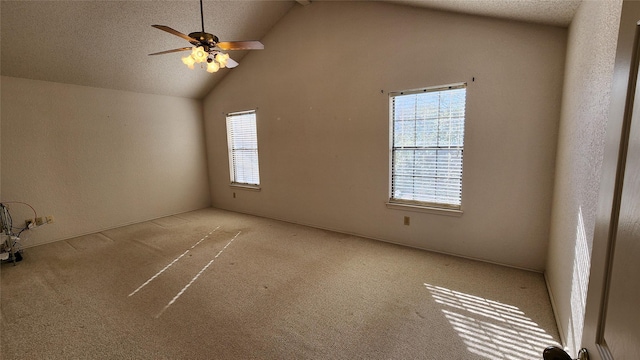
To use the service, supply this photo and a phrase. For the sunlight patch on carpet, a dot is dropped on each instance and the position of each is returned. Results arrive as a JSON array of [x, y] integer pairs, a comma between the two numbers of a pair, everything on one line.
[[492, 329], [195, 277], [171, 263]]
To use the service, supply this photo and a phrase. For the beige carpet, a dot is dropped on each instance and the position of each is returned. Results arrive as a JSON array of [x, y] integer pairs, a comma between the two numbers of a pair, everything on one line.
[[212, 284]]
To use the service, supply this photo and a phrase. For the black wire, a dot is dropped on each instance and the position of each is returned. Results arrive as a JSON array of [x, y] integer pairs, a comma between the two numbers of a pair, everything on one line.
[[25, 228], [10, 226], [10, 220]]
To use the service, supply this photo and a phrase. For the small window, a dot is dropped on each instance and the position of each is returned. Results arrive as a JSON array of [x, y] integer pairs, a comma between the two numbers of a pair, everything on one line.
[[242, 139], [427, 139]]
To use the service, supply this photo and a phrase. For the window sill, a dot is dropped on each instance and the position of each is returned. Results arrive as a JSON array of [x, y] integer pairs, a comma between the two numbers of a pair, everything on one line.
[[245, 187], [424, 209]]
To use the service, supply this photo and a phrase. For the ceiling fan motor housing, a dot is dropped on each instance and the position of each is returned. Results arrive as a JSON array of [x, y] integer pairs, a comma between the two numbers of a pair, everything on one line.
[[204, 39]]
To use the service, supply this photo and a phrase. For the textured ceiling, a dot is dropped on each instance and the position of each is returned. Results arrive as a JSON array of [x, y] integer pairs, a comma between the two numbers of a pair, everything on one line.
[[105, 43], [549, 12]]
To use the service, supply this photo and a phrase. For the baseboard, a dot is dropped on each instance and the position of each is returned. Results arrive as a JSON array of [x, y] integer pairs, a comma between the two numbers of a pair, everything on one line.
[[563, 337], [109, 228], [341, 231]]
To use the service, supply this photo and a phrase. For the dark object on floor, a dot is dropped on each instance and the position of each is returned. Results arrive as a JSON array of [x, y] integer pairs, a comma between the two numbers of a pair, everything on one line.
[[555, 353], [17, 255]]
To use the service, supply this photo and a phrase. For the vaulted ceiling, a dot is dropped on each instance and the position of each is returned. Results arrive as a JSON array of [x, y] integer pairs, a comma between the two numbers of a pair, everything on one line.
[[105, 43]]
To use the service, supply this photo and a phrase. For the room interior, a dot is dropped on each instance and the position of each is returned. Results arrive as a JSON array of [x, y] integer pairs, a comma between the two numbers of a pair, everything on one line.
[[101, 136]]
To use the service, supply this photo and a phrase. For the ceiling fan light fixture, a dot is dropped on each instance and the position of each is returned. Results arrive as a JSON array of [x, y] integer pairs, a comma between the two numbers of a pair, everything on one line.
[[205, 44], [222, 59], [198, 54], [213, 67], [189, 61]]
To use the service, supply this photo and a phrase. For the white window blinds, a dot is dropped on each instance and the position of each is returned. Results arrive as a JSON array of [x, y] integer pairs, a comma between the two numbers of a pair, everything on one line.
[[427, 146], [242, 139]]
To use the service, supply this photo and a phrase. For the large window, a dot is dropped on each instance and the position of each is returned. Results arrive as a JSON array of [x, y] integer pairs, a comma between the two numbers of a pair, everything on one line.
[[427, 146], [242, 139]]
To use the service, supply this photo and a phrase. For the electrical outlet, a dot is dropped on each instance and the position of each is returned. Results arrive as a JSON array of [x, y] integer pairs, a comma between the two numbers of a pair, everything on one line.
[[39, 221], [49, 219], [407, 220], [29, 224], [234, 195]]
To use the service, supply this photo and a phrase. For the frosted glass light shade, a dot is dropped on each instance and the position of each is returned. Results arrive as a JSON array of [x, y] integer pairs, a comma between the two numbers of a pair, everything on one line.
[[189, 61], [198, 54], [222, 59], [213, 67]]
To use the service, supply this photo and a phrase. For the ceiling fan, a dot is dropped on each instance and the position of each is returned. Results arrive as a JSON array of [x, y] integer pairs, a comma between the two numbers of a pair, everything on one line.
[[207, 48]]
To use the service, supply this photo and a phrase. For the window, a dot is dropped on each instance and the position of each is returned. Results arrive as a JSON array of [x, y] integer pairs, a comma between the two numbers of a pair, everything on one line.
[[427, 145], [242, 139]]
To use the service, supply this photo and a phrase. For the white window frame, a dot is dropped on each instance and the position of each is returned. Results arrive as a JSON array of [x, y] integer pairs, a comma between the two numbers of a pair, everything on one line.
[[244, 171], [403, 202]]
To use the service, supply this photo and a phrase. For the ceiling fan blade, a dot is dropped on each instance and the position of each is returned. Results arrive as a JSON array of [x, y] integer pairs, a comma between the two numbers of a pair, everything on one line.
[[240, 45], [231, 63], [176, 33], [171, 51]]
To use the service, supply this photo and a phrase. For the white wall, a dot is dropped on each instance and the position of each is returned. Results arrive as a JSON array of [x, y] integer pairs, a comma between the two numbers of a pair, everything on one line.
[[589, 68], [96, 158], [321, 89]]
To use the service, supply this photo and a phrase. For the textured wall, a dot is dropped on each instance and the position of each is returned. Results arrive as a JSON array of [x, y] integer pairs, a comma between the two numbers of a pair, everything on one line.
[[321, 89], [589, 68], [0, 146], [96, 158]]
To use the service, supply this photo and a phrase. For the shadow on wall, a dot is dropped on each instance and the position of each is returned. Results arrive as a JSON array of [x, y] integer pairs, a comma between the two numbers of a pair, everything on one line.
[[491, 329]]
